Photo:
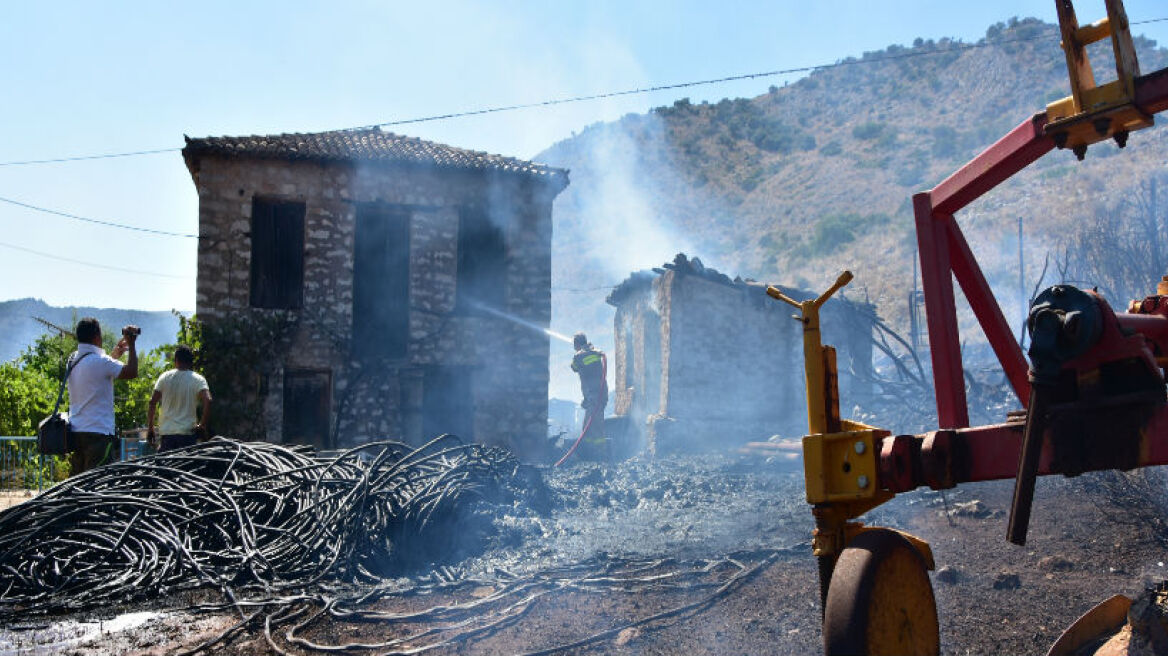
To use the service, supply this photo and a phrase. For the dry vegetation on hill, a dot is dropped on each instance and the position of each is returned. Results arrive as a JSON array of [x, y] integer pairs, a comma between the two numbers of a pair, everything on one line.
[[804, 180]]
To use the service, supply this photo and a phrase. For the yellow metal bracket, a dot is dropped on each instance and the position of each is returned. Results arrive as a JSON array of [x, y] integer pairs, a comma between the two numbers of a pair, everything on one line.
[[840, 457], [1093, 113], [819, 360], [841, 467]]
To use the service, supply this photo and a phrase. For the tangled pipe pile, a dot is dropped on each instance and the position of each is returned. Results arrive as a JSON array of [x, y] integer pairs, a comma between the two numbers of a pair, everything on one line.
[[224, 514]]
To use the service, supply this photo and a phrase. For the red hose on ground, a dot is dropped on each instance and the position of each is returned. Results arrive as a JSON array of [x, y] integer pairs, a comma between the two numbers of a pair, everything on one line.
[[591, 414]]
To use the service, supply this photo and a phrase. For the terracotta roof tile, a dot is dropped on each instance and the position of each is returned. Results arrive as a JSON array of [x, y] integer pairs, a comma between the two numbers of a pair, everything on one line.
[[371, 145]]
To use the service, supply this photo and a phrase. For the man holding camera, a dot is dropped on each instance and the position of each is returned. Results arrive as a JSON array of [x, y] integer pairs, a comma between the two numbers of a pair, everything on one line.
[[91, 394], [180, 391]]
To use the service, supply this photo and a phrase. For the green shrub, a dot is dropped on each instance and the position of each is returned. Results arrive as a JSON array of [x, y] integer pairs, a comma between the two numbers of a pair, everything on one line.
[[831, 149], [868, 131], [834, 230]]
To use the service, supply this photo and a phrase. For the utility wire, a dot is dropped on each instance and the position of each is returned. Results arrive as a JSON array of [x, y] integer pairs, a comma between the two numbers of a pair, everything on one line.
[[683, 85], [611, 94], [86, 219], [93, 264], [85, 157], [560, 101]]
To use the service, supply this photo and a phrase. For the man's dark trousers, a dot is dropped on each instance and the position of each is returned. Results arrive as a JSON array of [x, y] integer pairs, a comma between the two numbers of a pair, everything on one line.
[[93, 450]]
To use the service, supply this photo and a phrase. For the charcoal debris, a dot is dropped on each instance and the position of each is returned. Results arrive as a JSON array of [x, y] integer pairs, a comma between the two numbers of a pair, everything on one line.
[[1055, 563], [975, 509], [1007, 581], [947, 574]]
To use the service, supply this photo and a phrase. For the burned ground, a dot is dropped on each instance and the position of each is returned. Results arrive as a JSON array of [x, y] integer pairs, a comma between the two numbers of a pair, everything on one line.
[[718, 546]]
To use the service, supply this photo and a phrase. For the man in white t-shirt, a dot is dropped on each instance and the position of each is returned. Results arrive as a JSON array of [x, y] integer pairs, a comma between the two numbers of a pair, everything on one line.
[[91, 394], [180, 391]]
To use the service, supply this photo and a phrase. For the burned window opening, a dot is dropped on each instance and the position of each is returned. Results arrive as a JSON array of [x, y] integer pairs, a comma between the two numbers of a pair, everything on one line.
[[307, 404], [447, 402], [482, 262], [381, 282], [277, 254]]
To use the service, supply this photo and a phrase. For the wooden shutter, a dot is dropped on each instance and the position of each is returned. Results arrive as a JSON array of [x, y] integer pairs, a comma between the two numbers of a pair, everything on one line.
[[277, 254], [307, 407]]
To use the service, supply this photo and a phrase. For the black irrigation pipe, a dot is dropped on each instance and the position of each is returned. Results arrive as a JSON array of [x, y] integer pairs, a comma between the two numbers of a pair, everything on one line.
[[731, 584], [228, 515], [450, 625]]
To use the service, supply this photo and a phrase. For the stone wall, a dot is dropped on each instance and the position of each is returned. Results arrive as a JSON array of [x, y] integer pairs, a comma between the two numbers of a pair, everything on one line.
[[705, 365], [382, 399]]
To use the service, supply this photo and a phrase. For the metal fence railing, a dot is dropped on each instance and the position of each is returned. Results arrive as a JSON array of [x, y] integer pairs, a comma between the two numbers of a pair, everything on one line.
[[134, 443], [22, 467]]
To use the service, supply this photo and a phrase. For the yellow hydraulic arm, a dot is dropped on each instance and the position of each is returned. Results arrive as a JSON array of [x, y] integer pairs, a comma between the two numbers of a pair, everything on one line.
[[1094, 112]]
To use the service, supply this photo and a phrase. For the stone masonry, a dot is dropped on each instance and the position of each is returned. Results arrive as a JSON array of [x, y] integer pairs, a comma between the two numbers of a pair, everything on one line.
[[704, 362], [334, 174]]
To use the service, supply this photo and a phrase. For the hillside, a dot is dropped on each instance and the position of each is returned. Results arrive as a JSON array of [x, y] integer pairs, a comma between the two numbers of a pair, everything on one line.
[[18, 328], [802, 181]]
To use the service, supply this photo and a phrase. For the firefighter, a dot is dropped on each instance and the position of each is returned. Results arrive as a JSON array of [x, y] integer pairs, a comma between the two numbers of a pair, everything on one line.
[[592, 367]]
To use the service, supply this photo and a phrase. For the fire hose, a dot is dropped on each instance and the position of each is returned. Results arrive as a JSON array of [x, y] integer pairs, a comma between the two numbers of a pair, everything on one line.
[[591, 411]]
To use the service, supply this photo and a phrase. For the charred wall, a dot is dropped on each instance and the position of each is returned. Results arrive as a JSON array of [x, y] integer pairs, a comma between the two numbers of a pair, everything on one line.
[[703, 362], [384, 371]]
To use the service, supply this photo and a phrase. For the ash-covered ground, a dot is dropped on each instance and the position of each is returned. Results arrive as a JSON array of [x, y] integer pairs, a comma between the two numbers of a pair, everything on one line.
[[597, 548], [702, 506]]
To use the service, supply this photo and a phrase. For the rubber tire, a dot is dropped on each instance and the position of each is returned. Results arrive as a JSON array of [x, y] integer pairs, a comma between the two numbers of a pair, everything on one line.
[[880, 601]]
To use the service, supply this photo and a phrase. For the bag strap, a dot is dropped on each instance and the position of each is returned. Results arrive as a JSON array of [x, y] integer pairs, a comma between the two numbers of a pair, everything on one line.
[[65, 378]]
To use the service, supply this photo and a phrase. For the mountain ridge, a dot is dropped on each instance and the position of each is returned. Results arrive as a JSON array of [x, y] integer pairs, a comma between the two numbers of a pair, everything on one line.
[[19, 327], [801, 181]]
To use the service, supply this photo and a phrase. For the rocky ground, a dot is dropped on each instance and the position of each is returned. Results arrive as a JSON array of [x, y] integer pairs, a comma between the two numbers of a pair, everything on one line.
[[9, 498], [682, 519]]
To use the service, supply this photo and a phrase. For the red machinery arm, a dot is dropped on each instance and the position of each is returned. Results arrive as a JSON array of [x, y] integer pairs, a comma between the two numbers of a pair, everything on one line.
[[944, 251]]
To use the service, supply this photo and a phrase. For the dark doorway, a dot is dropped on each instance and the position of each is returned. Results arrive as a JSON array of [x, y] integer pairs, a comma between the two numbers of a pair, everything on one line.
[[447, 403], [482, 261], [306, 408], [381, 282]]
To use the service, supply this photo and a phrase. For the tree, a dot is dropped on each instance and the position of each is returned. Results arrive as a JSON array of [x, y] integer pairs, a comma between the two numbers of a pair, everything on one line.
[[1118, 248], [26, 397], [30, 384], [234, 354]]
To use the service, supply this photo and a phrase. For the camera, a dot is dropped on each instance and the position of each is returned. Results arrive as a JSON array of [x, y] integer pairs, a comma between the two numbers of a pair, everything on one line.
[[131, 331]]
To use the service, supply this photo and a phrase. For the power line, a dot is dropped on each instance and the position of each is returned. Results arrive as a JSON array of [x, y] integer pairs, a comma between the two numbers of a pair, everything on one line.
[[683, 85], [85, 157], [611, 94], [93, 264], [86, 219]]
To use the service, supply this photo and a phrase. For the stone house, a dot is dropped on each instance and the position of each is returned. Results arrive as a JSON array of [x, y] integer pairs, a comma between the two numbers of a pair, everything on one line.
[[705, 362], [389, 266]]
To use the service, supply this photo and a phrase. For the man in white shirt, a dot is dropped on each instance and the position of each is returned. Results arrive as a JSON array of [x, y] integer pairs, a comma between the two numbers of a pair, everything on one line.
[[91, 394], [179, 390]]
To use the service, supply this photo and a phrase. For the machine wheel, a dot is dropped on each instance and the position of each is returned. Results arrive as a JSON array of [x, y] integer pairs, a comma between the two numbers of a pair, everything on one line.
[[880, 601]]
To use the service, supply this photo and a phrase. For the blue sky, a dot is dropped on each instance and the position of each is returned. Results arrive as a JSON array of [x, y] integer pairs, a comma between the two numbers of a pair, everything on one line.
[[84, 78]]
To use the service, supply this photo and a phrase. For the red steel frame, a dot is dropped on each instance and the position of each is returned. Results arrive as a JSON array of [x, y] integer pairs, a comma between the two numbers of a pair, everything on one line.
[[944, 251]]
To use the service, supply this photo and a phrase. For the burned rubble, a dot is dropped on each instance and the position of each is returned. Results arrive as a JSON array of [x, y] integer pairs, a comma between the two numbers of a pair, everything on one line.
[[266, 527], [569, 558], [684, 330]]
